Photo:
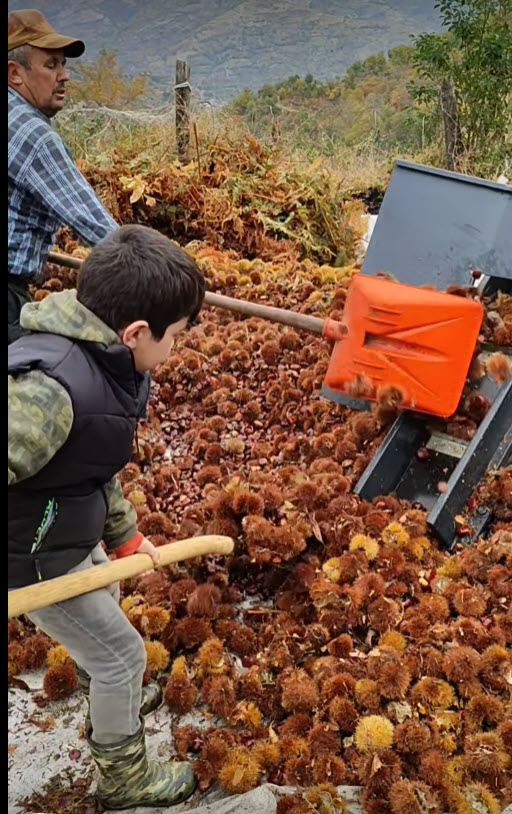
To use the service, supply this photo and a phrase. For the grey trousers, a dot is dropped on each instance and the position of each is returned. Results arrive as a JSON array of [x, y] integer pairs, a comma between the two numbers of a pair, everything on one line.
[[101, 640]]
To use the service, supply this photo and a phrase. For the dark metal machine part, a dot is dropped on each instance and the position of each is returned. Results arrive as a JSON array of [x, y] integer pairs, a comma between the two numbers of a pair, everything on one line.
[[355, 404], [493, 435], [436, 227], [412, 462]]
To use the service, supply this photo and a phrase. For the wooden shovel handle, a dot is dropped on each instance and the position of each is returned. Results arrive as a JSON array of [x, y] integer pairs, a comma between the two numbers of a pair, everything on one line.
[[251, 309], [34, 597], [65, 260]]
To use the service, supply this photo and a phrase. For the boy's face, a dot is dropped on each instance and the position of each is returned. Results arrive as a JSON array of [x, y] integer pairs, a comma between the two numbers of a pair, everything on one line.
[[149, 352]]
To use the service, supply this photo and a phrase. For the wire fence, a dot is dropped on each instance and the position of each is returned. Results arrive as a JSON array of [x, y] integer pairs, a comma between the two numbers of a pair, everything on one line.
[[98, 130]]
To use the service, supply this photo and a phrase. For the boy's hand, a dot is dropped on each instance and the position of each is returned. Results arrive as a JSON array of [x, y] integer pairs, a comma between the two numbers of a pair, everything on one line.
[[146, 547]]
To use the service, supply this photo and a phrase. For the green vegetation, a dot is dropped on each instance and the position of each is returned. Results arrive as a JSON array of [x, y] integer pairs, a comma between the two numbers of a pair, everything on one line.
[[105, 83], [445, 100], [371, 104], [474, 58]]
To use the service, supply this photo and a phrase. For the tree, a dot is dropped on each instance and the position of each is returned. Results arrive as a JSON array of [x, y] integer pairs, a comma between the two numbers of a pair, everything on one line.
[[354, 71], [401, 54], [375, 63], [103, 82], [245, 103], [469, 70]]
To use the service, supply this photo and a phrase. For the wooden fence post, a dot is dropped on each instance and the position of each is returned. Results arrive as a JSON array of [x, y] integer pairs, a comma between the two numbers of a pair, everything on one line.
[[182, 103], [452, 134], [276, 130]]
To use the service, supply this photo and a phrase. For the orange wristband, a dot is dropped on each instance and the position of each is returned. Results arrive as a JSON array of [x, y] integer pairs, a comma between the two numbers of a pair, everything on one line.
[[129, 546]]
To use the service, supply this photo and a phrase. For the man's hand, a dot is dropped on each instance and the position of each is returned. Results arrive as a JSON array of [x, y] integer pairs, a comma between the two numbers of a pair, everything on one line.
[[146, 547]]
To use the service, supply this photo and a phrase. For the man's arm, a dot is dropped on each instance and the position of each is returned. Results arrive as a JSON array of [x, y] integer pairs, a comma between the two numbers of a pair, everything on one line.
[[40, 417], [51, 176]]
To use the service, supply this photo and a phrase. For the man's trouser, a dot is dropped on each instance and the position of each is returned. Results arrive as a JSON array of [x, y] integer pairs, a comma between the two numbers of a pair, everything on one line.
[[17, 297]]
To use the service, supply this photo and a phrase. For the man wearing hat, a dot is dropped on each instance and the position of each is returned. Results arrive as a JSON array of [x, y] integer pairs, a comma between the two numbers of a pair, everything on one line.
[[45, 188]]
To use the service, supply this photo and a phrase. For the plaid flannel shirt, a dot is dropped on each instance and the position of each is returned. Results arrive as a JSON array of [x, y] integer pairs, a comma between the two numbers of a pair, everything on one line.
[[45, 190]]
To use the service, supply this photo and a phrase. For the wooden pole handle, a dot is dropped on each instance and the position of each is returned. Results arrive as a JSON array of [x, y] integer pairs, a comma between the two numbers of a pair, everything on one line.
[[252, 309], [48, 592], [65, 260]]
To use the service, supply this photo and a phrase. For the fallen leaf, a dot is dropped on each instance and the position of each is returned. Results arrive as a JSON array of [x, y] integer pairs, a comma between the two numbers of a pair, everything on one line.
[[18, 683], [376, 765], [401, 709]]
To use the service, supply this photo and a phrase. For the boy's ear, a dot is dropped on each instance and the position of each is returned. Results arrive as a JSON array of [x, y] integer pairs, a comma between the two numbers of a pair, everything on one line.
[[131, 334]]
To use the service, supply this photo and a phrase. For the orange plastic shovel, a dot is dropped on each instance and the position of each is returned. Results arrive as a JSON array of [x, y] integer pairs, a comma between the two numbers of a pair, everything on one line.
[[416, 340]]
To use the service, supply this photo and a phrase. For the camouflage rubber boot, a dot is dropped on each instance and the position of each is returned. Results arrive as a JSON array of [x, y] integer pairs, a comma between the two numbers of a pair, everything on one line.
[[128, 779], [152, 695]]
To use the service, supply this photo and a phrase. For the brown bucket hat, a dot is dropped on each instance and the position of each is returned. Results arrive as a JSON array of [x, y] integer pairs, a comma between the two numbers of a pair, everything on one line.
[[30, 27]]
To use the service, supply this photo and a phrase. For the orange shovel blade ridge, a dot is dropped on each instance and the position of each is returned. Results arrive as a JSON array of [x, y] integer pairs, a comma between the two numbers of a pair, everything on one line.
[[415, 339]]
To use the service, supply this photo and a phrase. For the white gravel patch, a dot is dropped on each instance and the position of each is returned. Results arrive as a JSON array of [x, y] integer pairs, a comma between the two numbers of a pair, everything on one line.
[[36, 756]]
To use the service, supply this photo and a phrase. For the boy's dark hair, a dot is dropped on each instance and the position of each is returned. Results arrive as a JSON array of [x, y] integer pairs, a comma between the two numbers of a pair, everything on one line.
[[137, 273]]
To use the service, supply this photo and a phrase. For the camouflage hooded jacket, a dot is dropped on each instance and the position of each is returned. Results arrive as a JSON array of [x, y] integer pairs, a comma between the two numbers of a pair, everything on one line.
[[40, 411]]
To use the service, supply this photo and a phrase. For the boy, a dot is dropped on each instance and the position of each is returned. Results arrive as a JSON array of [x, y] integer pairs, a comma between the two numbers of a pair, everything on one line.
[[73, 403]]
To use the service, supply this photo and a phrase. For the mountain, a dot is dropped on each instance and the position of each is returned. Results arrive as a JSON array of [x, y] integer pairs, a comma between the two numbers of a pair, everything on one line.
[[236, 44]]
